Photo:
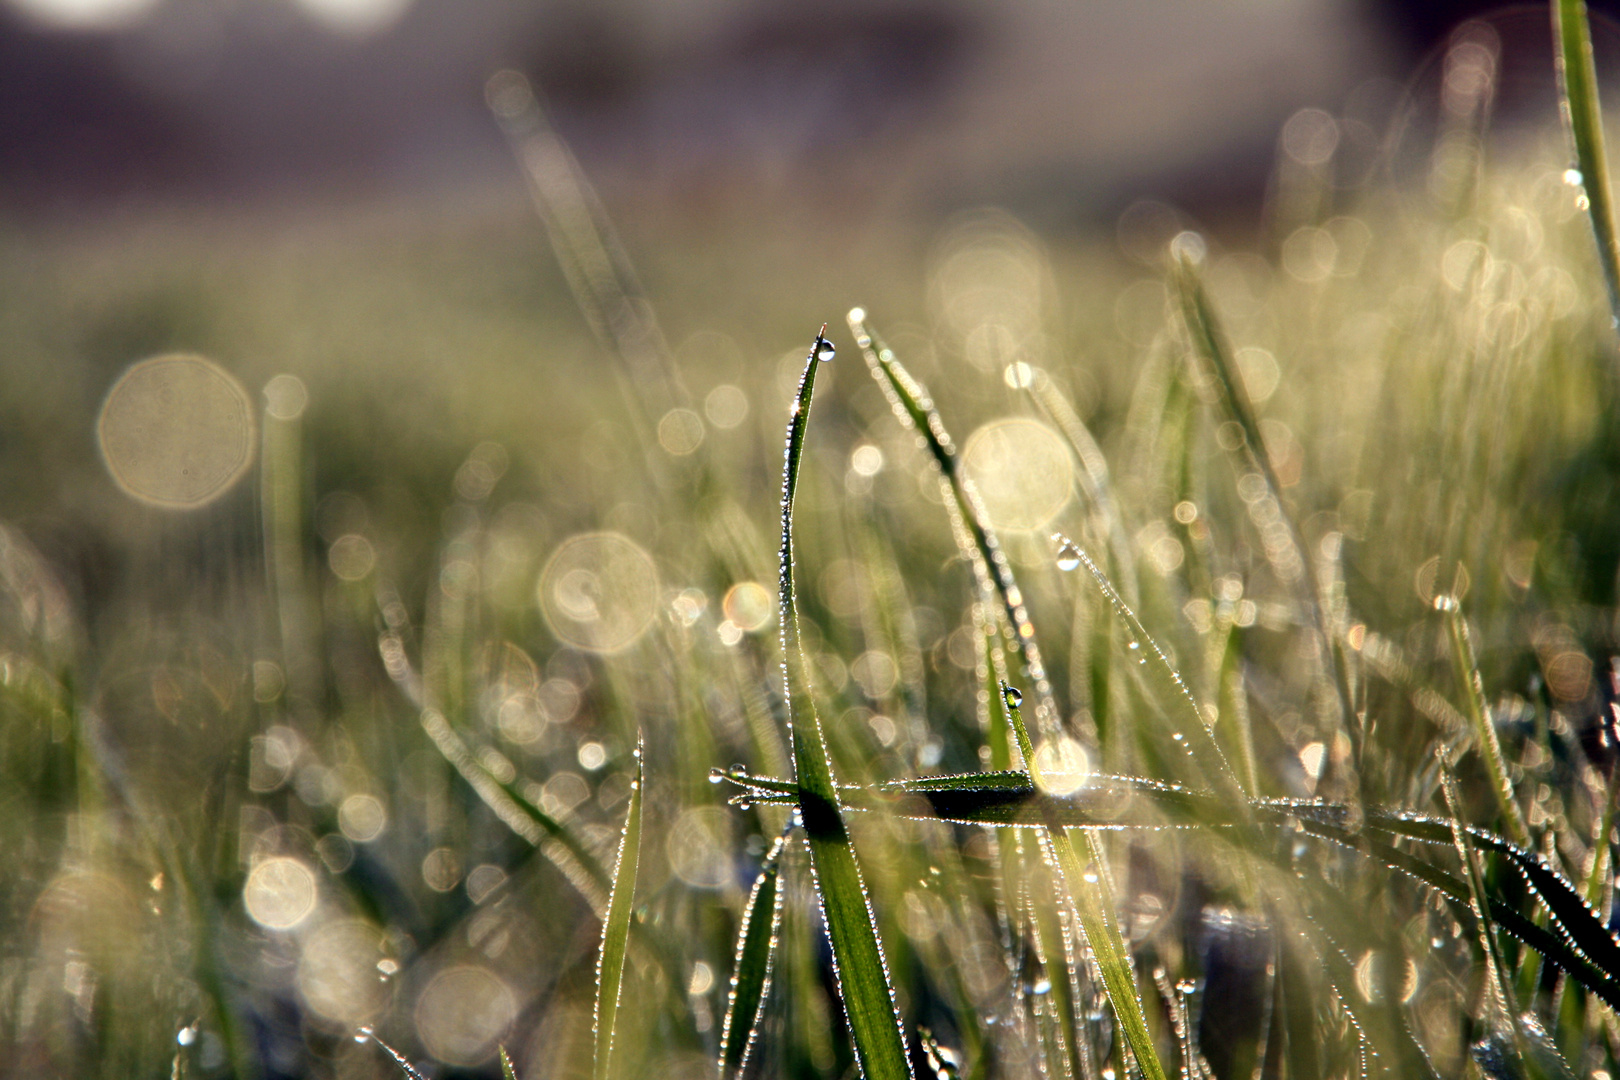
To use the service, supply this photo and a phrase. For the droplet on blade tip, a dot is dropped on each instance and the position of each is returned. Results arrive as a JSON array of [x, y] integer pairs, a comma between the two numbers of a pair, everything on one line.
[[825, 351]]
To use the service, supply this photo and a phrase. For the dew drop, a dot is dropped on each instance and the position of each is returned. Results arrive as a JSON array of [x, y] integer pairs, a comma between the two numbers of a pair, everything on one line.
[[716, 775], [363, 1035], [738, 772], [825, 351], [1068, 556], [1446, 602], [1042, 987], [1134, 646], [1015, 697]]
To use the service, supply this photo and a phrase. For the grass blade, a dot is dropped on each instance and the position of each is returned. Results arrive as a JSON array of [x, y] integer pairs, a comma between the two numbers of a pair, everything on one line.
[[1094, 904], [1093, 474], [1583, 119], [1196, 740], [554, 839], [912, 404], [864, 986], [616, 930], [751, 972], [1210, 345], [507, 1071], [1479, 716]]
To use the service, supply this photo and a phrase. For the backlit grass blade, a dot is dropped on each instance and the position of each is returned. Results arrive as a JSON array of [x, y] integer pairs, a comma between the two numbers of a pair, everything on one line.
[[616, 930], [1577, 941], [507, 1072], [554, 839], [1195, 738], [1479, 716], [1094, 904], [1583, 120], [912, 404], [1093, 474], [863, 975], [1210, 345], [368, 1035], [751, 970]]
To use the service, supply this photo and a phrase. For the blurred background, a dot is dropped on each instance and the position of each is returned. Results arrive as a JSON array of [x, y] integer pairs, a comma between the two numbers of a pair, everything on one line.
[[316, 332], [317, 187]]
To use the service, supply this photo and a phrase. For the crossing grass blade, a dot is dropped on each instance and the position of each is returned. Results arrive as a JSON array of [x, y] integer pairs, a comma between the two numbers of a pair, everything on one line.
[[1093, 902], [1583, 121], [616, 930], [864, 986], [751, 971]]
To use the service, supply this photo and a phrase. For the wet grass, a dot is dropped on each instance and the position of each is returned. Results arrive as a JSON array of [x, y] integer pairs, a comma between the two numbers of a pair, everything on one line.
[[532, 760]]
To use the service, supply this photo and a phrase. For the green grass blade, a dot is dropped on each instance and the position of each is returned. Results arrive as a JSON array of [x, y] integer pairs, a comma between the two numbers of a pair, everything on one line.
[[1478, 711], [1195, 738], [507, 1071], [1583, 120], [1094, 904], [751, 971], [554, 839], [1210, 345], [863, 976], [616, 930], [915, 408], [1093, 474]]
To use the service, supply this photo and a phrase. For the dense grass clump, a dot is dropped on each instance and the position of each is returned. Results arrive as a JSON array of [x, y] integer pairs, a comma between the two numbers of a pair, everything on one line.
[[1246, 707]]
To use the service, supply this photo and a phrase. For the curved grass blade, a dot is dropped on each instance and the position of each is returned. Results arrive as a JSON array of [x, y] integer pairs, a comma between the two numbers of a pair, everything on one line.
[[616, 930], [1094, 904], [1197, 740], [751, 971], [1578, 942], [864, 986], [1583, 119], [1210, 344], [554, 839], [1479, 717], [912, 404]]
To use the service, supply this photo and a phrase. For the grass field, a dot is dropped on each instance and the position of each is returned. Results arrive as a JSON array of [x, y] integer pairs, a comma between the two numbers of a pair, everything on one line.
[[1156, 659]]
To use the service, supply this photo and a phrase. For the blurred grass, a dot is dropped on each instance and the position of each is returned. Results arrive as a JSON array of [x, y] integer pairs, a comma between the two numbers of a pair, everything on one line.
[[222, 862]]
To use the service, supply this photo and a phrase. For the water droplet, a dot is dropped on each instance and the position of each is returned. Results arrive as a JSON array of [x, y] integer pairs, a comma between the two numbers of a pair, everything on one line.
[[716, 775], [825, 351], [363, 1035], [1573, 177], [1446, 602], [187, 1036], [1042, 987], [738, 772], [1014, 696], [1134, 646], [1068, 556]]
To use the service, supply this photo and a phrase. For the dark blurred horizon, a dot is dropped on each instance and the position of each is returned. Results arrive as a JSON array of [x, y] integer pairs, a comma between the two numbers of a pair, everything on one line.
[[183, 103]]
